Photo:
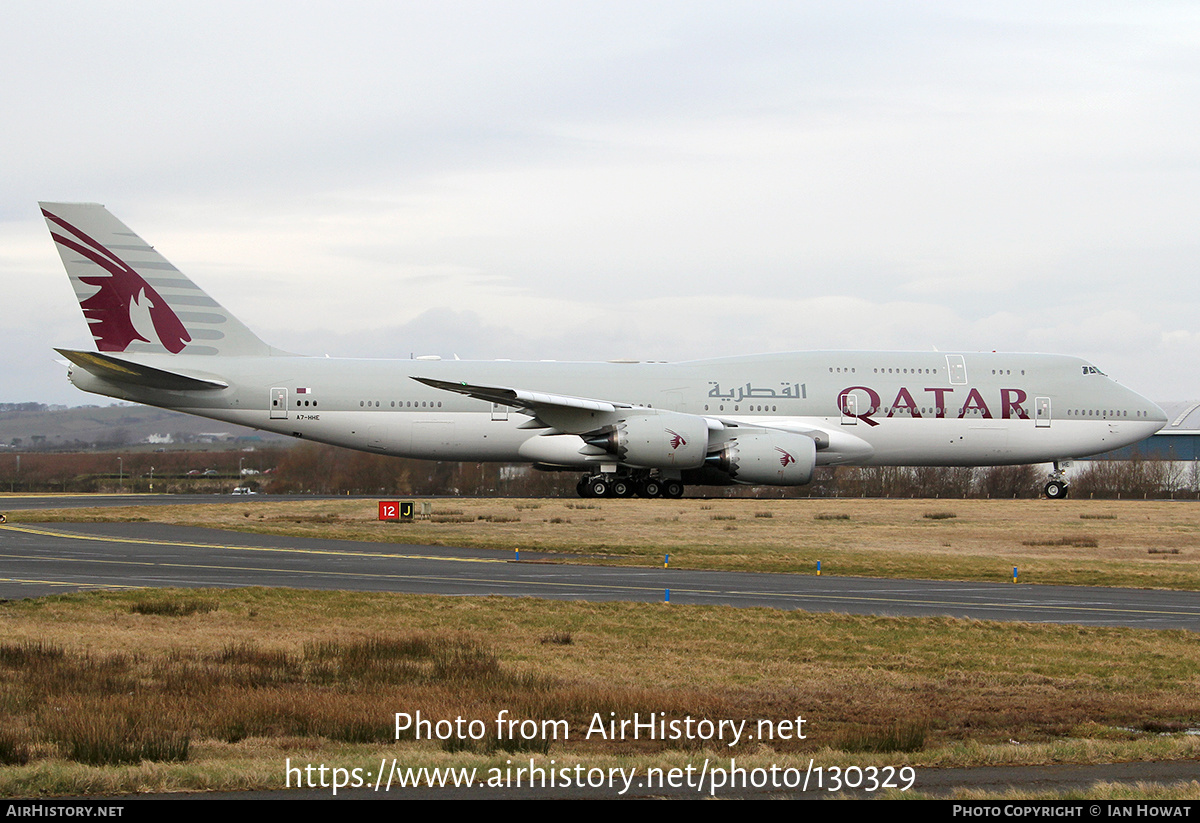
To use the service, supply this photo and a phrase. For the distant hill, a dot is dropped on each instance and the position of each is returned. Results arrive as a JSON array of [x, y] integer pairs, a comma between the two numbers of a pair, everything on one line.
[[37, 426]]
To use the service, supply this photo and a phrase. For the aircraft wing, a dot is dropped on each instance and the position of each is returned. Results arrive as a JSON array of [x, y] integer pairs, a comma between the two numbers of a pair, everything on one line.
[[521, 398], [568, 414], [565, 414]]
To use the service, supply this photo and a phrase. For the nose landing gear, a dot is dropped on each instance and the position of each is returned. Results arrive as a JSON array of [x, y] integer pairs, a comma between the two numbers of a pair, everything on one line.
[[1057, 487]]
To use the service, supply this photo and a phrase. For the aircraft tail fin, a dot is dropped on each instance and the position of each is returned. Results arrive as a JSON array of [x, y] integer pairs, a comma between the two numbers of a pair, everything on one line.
[[133, 299]]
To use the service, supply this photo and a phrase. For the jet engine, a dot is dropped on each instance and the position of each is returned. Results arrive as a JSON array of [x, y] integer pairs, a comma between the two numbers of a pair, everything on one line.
[[768, 458], [662, 440]]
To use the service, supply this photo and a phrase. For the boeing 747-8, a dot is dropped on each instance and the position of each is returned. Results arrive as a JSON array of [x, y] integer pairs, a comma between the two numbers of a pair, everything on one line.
[[628, 428]]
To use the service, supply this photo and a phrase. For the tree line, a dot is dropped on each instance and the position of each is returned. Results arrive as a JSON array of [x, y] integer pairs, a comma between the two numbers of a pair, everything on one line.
[[310, 468]]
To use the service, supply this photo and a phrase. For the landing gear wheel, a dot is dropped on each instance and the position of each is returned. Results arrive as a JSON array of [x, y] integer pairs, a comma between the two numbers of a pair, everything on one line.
[[673, 489], [1056, 490], [650, 488], [598, 487], [621, 488], [582, 488]]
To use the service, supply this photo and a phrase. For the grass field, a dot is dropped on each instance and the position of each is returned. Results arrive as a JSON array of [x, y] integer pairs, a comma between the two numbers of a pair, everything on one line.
[[154, 690], [145, 691], [1114, 543]]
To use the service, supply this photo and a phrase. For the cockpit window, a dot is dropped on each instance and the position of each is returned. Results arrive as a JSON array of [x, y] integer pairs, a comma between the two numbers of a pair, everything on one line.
[[1093, 370]]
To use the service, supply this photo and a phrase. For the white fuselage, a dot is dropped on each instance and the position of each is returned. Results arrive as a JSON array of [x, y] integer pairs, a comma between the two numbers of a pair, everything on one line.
[[863, 408]]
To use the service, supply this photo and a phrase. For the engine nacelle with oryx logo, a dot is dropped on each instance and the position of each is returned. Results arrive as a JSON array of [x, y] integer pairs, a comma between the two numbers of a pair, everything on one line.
[[768, 458], [657, 440]]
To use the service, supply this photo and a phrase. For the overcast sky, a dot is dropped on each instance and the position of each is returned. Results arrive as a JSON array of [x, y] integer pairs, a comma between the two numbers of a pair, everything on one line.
[[576, 180]]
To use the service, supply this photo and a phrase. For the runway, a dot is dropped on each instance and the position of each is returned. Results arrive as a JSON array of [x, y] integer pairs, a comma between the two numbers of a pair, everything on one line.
[[39, 559]]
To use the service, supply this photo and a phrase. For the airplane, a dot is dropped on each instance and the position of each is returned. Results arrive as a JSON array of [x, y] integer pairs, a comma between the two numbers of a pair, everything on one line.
[[630, 428]]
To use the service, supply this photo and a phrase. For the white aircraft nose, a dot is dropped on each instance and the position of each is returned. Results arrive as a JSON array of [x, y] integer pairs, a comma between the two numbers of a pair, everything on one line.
[[1150, 427], [1153, 418]]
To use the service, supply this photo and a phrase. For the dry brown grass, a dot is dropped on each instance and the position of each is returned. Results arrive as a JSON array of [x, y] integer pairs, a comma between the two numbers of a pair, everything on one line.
[[1130, 543], [271, 672], [968, 679]]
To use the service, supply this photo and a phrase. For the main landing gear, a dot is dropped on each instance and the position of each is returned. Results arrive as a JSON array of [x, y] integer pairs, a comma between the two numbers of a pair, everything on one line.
[[1057, 487], [621, 485]]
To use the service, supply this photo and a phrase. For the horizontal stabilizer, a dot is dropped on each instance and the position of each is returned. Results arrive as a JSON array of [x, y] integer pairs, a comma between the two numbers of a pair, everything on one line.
[[119, 370]]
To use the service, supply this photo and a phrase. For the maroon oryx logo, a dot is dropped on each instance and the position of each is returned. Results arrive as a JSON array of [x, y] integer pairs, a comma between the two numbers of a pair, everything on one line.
[[785, 457], [125, 307], [676, 439]]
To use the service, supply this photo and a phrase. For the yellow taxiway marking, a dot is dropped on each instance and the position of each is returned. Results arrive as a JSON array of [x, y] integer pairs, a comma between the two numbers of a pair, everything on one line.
[[370, 575], [75, 536], [70, 583]]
